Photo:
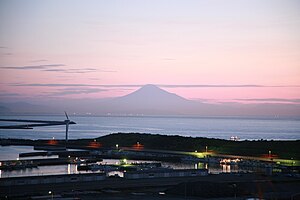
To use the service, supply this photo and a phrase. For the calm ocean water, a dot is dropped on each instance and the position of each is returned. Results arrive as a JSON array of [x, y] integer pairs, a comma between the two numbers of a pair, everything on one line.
[[91, 127]]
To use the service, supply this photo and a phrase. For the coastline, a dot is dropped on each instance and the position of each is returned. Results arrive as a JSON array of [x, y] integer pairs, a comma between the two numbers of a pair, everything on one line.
[[258, 148]]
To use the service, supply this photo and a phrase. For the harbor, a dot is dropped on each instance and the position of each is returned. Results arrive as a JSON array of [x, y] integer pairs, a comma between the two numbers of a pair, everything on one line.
[[134, 163], [119, 168], [168, 158]]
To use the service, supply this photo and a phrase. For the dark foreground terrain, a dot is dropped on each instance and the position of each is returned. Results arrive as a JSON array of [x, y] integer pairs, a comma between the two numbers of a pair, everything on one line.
[[282, 149], [260, 148], [221, 186]]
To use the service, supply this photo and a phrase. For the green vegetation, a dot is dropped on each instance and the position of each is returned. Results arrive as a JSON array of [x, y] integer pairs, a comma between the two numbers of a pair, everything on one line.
[[281, 149]]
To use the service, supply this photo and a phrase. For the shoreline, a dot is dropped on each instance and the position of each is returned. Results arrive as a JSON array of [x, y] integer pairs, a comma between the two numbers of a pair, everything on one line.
[[237, 184], [199, 147]]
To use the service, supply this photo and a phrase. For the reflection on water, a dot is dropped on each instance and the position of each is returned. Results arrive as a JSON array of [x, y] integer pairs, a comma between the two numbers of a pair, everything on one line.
[[72, 168], [116, 173], [11, 152], [69, 168], [226, 168], [42, 170]]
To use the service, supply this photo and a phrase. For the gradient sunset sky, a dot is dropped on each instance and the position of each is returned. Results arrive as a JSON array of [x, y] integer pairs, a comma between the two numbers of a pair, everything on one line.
[[216, 50]]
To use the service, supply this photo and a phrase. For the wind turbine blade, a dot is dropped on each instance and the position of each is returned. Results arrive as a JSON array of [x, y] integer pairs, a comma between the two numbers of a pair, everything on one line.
[[29, 126], [66, 115], [16, 127], [29, 121]]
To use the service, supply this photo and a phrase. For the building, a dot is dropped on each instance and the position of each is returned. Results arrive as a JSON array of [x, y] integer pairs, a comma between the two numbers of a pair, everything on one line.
[[165, 173]]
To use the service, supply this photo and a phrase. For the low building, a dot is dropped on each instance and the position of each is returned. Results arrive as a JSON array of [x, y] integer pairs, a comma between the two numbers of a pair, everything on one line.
[[165, 173], [66, 178]]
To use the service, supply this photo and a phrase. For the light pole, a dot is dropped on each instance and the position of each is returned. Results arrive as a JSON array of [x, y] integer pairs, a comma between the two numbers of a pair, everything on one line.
[[117, 146], [50, 193], [234, 188]]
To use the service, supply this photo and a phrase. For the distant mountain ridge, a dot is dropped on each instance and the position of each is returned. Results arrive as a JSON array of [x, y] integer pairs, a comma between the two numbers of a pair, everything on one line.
[[152, 100], [148, 92], [149, 100]]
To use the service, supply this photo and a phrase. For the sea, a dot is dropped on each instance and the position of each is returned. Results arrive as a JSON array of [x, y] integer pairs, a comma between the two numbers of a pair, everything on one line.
[[210, 127], [97, 126]]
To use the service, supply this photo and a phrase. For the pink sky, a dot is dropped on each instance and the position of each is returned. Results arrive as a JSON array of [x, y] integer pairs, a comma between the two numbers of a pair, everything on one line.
[[150, 42]]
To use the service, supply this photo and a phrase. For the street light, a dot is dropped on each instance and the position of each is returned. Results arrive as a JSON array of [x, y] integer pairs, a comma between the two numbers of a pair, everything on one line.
[[124, 161], [117, 146], [50, 193]]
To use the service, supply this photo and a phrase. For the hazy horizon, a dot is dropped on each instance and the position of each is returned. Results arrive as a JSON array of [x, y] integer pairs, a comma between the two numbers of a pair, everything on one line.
[[150, 100]]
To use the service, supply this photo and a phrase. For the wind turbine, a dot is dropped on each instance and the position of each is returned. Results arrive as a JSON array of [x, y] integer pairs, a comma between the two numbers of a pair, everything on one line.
[[67, 122], [36, 123]]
